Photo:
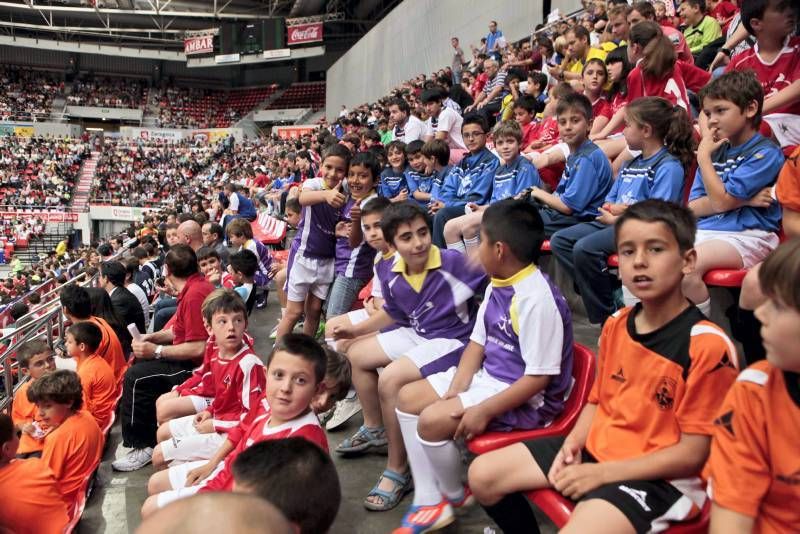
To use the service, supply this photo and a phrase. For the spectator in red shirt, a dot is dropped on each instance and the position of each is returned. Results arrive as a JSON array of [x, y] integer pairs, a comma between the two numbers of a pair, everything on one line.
[[164, 359], [723, 11]]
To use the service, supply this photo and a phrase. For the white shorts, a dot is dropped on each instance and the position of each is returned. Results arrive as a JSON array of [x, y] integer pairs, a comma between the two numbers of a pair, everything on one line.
[[177, 479], [429, 355], [182, 426], [201, 403], [752, 245], [191, 448], [785, 127], [482, 387], [308, 275]]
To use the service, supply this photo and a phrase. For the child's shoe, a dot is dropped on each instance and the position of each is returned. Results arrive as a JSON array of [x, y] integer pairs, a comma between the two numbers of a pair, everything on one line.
[[420, 518]]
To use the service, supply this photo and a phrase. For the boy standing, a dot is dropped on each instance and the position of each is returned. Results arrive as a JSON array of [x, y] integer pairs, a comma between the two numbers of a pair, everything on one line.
[[587, 177], [35, 358], [633, 459], [514, 374], [97, 378]]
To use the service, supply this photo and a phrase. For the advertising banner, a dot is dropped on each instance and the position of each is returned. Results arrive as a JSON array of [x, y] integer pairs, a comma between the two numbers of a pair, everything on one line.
[[304, 33], [295, 131], [48, 216], [156, 133], [202, 44]]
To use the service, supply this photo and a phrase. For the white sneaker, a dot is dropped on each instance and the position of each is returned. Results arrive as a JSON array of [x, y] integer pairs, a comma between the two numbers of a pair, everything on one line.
[[134, 460], [274, 333], [345, 409]]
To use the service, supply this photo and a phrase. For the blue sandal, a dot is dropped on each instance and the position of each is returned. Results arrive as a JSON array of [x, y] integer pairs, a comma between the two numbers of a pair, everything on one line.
[[403, 484], [364, 439]]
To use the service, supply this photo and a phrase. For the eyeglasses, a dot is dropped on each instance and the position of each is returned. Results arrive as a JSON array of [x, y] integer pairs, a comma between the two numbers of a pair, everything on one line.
[[472, 135]]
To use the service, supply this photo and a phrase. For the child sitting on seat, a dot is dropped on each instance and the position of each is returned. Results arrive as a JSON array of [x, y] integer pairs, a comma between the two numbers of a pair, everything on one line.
[[633, 459], [514, 374], [240, 234], [753, 468], [97, 378], [242, 270], [35, 358], [393, 183], [738, 219]]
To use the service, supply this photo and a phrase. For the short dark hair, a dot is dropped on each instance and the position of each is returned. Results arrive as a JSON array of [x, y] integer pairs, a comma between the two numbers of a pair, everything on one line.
[[114, 272], [645, 9], [88, 333], [414, 147], [577, 102], [203, 253], [530, 104], [18, 309], [29, 349], [518, 224], [431, 95], [739, 87], [401, 213], [396, 145], [699, 4], [140, 253], [62, 386], [338, 151], [181, 261], [375, 205], [305, 347], [293, 204], [580, 32], [132, 267], [754, 9], [244, 262], [779, 274], [223, 300], [474, 118], [276, 470], [368, 161], [401, 104], [680, 220], [215, 228], [240, 227], [76, 300], [338, 367], [438, 149]]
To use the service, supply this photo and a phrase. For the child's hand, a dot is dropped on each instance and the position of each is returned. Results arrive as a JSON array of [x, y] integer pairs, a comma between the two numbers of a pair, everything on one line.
[[606, 217], [355, 213], [570, 454], [342, 229], [335, 198], [708, 140], [205, 427], [198, 474], [343, 332], [435, 206], [403, 195], [214, 277], [201, 417], [369, 306], [472, 206], [474, 421], [762, 199], [28, 428], [575, 481]]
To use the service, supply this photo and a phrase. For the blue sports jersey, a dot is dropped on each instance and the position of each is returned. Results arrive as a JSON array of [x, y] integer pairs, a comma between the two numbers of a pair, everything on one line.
[[471, 180], [510, 180], [392, 183], [246, 208], [744, 170], [440, 302], [659, 176], [586, 181], [418, 182]]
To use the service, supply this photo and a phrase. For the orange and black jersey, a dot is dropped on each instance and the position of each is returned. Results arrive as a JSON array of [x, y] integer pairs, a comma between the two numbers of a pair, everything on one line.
[[754, 467], [651, 388]]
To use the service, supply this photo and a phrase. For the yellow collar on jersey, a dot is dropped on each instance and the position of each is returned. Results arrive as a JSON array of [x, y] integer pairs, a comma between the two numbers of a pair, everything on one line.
[[511, 280], [416, 280]]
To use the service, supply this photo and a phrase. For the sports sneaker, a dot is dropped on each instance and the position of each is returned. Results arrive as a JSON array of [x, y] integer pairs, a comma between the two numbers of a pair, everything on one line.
[[274, 333], [467, 499], [420, 519], [343, 411], [324, 417], [134, 460]]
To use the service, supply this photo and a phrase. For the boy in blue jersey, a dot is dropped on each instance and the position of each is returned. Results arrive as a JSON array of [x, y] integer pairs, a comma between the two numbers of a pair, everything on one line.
[[393, 183], [239, 205], [514, 374], [429, 296], [663, 134], [587, 177], [737, 218], [417, 177], [310, 268], [515, 175], [436, 156], [470, 181]]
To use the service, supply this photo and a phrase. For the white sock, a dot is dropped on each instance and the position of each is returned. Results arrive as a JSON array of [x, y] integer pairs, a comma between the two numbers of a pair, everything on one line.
[[445, 461], [426, 493], [458, 245], [331, 343], [705, 307], [472, 242]]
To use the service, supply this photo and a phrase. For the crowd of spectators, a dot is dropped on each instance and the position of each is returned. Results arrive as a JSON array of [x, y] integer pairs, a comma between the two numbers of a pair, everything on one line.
[[190, 107], [27, 94], [39, 171], [106, 92]]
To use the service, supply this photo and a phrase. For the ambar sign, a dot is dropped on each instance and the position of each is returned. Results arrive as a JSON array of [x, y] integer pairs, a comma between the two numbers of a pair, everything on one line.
[[198, 45]]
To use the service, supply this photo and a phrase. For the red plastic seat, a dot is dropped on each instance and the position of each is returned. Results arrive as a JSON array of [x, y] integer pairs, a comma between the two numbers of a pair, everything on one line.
[[545, 246], [725, 277], [268, 230], [558, 509], [583, 369], [613, 260]]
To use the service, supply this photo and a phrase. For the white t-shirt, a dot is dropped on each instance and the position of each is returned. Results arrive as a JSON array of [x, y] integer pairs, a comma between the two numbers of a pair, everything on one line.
[[413, 130], [233, 202], [448, 121], [138, 292]]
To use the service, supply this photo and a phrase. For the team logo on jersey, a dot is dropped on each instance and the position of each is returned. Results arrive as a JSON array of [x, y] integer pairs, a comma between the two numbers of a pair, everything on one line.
[[665, 393], [726, 421], [503, 324], [619, 376], [415, 316], [724, 362], [227, 381]]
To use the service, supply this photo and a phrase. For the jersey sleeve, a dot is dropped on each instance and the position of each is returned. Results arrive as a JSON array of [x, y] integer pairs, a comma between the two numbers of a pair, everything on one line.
[[787, 189], [711, 374], [582, 185], [479, 330], [312, 433], [738, 466], [613, 193], [18, 414], [668, 181], [698, 189], [482, 183], [694, 77], [541, 334], [755, 173], [528, 177]]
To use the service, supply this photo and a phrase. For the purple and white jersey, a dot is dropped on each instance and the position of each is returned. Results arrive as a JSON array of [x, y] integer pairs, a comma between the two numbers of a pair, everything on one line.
[[525, 327], [354, 262], [439, 303], [316, 237], [381, 270]]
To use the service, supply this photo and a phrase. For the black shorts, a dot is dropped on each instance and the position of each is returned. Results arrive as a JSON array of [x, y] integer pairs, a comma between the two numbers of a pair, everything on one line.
[[645, 503]]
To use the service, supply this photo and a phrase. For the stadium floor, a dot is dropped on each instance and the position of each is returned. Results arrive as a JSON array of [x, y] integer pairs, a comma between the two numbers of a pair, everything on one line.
[[114, 505]]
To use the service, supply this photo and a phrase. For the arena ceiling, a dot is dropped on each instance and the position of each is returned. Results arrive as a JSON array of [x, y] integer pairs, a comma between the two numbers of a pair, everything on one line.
[[163, 24]]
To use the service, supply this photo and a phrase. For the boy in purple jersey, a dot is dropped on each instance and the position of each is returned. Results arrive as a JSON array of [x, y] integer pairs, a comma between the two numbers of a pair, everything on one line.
[[354, 257], [311, 258], [515, 373], [430, 293]]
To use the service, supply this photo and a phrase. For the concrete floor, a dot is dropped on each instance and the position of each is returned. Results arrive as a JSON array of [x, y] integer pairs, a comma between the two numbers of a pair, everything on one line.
[[114, 505]]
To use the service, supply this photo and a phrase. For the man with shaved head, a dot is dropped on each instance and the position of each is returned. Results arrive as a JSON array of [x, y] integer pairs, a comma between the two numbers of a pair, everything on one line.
[[190, 233]]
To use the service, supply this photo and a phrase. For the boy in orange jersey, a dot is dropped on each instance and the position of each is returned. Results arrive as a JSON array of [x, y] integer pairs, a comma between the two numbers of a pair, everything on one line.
[[31, 501], [73, 448], [754, 469], [35, 358], [97, 378], [633, 460]]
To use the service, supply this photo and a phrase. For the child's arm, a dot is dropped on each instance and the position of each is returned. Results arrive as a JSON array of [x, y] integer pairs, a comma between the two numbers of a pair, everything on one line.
[[333, 197], [787, 95], [470, 363], [725, 521], [717, 199], [356, 237], [550, 200], [198, 474], [611, 126], [378, 321]]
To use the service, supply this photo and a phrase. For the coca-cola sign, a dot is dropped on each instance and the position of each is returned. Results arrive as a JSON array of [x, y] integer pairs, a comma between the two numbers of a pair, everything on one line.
[[304, 33], [198, 45]]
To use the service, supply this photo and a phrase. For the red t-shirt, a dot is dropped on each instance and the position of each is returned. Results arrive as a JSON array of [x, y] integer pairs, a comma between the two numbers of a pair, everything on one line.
[[528, 133], [601, 108], [672, 87], [188, 324], [724, 12], [546, 132]]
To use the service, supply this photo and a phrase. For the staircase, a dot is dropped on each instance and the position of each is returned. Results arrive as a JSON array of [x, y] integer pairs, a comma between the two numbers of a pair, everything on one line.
[[80, 197]]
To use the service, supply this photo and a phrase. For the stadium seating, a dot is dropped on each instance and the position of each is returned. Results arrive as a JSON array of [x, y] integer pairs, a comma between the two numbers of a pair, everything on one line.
[[269, 230], [207, 108], [301, 95]]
